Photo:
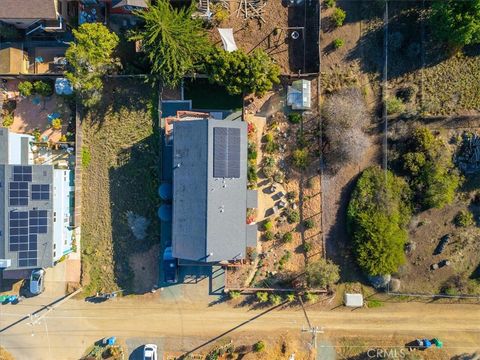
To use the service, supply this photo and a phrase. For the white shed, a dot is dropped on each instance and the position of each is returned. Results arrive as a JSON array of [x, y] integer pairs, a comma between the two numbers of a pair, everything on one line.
[[353, 300], [299, 95]]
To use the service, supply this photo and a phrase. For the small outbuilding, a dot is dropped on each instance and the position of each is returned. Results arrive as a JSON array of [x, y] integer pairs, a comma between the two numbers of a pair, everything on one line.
[[353, 300], [299, 95]]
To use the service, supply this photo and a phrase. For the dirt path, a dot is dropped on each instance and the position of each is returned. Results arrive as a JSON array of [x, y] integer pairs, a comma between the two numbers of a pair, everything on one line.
[[79, 324]]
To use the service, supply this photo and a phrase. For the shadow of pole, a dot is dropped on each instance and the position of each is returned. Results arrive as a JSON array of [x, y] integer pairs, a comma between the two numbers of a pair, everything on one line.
[[185, 355]]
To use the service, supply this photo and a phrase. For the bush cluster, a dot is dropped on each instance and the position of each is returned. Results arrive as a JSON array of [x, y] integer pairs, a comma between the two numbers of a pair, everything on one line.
[[377, 218], [430, 169], [42, 88], [464, 218], [338, 43]]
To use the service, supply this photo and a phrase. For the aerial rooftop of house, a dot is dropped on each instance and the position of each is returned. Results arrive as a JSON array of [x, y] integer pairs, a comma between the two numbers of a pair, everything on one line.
[[35, 207], [210, 190], [31, 9]]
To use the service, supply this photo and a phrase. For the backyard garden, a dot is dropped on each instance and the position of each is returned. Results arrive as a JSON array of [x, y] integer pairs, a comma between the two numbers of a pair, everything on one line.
[[32, 107]]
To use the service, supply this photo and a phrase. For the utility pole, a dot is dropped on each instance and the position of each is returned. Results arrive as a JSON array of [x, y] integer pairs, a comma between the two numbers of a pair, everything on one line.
[[35, 319], [311, 329]]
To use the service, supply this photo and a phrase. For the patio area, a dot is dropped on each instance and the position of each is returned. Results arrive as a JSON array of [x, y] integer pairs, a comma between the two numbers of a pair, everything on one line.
[[49, 60], [36, 113]]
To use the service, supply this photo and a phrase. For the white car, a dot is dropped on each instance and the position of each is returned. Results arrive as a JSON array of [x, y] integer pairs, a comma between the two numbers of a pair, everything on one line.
[[150, 352], [37, 284]]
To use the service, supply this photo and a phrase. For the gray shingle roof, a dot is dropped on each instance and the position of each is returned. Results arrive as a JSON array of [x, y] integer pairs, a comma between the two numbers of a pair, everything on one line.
[[209, 214], [28, 9]]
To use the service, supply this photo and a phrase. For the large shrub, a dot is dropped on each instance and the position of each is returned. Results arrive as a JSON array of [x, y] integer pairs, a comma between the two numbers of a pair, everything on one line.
[[430, 169], [345, 117], [378, 214], [322, 273], [243, 73]]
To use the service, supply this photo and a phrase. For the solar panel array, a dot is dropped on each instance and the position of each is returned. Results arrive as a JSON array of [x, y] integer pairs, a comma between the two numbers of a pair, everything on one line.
[[18, 195], [226, 152], [40, 192], [25, 225], [22, 173]]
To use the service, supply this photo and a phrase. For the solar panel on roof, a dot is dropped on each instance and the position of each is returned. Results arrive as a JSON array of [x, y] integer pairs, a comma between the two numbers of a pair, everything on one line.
[[23, 238], [226, 152], [18, 195], [40, 192]]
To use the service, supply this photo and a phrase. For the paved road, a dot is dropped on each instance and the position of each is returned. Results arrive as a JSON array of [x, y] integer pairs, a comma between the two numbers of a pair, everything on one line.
[[68, 330]]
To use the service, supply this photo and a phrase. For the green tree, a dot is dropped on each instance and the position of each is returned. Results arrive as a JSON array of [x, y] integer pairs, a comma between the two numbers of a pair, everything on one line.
[[322, 273], [243, 73], [173, 40], [91, 57], [456, 22], [378, 214], [430, 169]]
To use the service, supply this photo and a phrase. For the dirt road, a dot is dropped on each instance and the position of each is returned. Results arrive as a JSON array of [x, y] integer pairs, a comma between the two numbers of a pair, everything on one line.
[[68, 330]]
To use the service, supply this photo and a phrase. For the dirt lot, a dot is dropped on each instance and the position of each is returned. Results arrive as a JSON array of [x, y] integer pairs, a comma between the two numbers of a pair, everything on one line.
[[428, 227], [120, 185], [274, 34]]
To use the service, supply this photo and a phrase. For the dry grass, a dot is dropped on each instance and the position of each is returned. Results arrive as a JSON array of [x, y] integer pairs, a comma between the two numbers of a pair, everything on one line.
[[5, 355], [122, 176]]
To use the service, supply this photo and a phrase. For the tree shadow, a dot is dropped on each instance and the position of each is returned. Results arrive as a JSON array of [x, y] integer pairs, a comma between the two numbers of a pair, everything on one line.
[[338, 247], [411, 44]]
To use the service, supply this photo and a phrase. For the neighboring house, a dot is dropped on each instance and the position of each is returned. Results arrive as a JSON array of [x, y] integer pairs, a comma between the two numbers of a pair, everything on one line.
[[210, 190], [35, 211], [33, 14], [127, 6]]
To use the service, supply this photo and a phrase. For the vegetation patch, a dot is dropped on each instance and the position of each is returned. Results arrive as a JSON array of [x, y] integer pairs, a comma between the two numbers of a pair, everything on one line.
[[378, 215], [121, 177]]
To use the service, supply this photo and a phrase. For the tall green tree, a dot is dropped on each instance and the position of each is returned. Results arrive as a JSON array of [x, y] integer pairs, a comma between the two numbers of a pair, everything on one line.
[[378, 215], [243, 73], [91, 57], [173, 41], [457, 21]]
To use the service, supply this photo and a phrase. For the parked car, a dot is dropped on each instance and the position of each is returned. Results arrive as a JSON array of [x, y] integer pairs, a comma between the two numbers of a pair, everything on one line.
[[170, 267], [37, 283], [441, 245], [422, 344], [150, 352]]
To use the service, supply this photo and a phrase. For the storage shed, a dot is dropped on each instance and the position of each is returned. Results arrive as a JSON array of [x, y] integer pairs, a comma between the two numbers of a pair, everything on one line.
[[353, 300]]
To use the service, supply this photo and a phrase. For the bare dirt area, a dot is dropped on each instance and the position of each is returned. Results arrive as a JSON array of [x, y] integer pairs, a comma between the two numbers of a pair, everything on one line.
[[274, 33], [428, 228], [120, 154]]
